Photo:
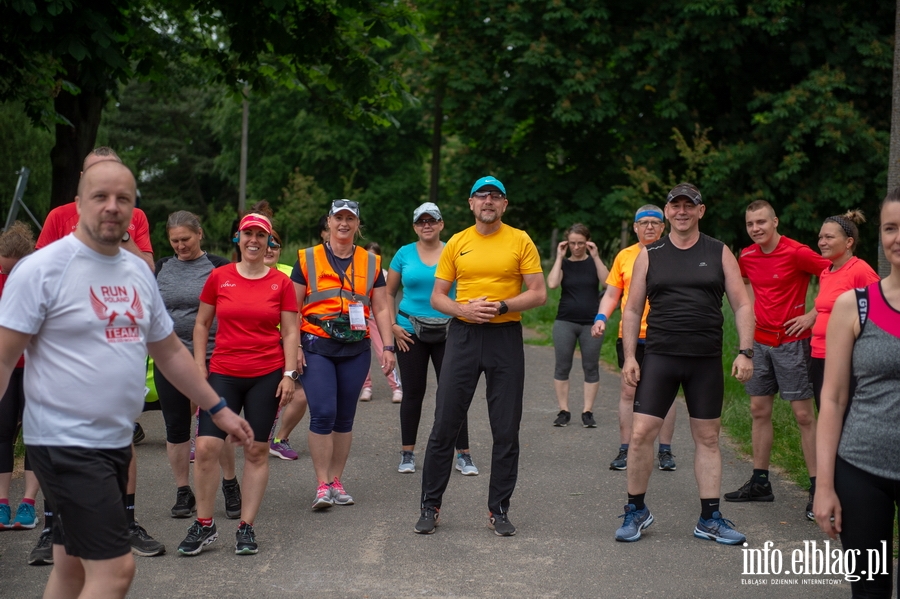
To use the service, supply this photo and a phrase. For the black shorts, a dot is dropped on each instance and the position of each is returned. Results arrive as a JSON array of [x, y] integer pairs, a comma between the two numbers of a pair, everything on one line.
[[254, 395], [701, 378], [86, 488], [638, 352]]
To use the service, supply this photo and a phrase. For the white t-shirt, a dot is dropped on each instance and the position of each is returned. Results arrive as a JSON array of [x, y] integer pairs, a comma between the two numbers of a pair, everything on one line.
[[91, 317]]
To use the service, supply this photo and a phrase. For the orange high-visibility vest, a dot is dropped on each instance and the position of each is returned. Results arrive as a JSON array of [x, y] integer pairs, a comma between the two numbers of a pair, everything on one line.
[[328, 294]]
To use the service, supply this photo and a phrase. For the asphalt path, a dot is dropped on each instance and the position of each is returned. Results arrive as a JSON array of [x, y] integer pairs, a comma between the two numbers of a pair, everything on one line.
[[566, 509]]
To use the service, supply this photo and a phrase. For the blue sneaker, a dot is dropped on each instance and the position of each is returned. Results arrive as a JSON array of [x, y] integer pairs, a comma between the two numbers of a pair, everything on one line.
[[465, 465], [635, 521], [5, 514], [718, 529], [25, 517]]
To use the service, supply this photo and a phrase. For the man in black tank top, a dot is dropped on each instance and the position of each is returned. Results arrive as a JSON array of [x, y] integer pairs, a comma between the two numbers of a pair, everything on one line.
[[684, 276]]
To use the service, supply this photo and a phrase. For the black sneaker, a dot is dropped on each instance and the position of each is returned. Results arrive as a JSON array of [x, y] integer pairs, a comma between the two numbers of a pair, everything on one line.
[[562, 419], [143, 544], [428, 520], [501, 525], [752, 491], [587, 420], [197, 538], [185, 503], [138, 435], [232, 493], [809, 507], [42, 554], [246, 540], [666, 460], [621, 461]]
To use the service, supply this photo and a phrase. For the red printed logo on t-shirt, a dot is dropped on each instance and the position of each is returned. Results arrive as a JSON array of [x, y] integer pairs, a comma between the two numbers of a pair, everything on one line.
[[117, 304]]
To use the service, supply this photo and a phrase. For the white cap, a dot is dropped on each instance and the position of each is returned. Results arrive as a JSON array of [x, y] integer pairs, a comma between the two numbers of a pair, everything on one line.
[[427, 208]]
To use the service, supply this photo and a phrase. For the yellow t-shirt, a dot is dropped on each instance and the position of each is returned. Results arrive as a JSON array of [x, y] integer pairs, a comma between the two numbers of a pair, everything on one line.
[[620, 276], [489, 265]]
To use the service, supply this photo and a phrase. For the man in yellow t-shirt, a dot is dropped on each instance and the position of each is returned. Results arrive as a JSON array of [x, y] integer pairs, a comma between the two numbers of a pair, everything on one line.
[[489, 262], [648, 226]]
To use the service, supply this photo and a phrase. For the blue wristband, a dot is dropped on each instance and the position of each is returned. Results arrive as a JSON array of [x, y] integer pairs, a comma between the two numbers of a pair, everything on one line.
[[600, 317], [218, 407]]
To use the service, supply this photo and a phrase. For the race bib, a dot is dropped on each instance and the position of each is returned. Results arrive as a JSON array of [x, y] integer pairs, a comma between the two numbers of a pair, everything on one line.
[[357, 317]]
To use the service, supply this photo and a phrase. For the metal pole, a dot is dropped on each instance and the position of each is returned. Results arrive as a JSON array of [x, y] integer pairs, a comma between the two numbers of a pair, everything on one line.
[[245, 122]]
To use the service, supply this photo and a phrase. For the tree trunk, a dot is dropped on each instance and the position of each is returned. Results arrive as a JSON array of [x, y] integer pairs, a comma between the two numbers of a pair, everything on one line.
[[436, 140], [73, 142], [893, 176]]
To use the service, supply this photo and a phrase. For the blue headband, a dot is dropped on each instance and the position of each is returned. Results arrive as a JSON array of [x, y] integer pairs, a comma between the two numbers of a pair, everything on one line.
[[655, 213]]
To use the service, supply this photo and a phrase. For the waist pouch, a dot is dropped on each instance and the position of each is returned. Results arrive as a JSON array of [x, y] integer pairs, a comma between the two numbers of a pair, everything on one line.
[[338, 328], [428, 329]]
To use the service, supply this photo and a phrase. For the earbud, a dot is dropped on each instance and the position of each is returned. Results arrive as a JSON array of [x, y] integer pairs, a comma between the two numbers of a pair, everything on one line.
[[236, 238]]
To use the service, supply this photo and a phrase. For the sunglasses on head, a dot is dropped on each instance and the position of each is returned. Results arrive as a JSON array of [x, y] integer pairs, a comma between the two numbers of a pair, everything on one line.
[[345, 204]]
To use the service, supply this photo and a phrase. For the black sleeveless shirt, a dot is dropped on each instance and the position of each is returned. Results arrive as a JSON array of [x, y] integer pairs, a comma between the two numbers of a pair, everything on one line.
[[579, 291], [685, 289]]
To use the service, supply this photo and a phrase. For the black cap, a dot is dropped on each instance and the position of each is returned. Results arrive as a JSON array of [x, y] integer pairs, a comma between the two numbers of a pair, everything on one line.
[[685, 190]]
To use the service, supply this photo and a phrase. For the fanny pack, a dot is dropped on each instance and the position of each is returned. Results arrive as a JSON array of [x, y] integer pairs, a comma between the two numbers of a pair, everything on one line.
[[338, 328], [427, 328]]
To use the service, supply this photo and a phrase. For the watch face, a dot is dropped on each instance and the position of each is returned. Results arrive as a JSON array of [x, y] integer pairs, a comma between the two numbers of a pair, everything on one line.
[[747, 352]]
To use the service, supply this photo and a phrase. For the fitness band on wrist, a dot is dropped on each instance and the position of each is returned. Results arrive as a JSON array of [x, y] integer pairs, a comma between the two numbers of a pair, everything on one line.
[[388, 348], [218, 407], [600, 317]]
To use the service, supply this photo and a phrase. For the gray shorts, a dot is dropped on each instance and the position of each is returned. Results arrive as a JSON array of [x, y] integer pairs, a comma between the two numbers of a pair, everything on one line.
[[783, 369]]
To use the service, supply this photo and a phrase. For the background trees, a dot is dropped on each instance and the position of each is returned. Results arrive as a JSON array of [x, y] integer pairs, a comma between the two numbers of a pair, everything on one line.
[[585, 109]]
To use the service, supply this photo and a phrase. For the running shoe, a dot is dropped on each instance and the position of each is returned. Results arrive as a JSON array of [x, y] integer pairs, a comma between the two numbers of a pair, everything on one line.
[[635, 521], [428, 520], [718, 529], [26, 519], [397, 396], [197, 538], [245, 540], [562, 419], [752, 491], [809, 507], [5, 516], [323, 499], [232, 493], [280, 448], [407, 462], [365, 394], [465, 464], [138, 434], [621, 461], [142, 543], [587, 420], [193, 450], [42, 554], [338, 495], [666, 460], [185, 503], [501, 525]]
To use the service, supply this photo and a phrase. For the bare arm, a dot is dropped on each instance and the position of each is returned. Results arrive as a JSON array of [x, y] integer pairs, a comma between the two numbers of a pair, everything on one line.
[[843, 329], [383, 317], [401, 337], [535, 294], [742, 367], [554, 279], [205, 315], [300, 290], [174, 361], [631, 318], [608, 304], [289, 338], [602, 271], [12, 344]]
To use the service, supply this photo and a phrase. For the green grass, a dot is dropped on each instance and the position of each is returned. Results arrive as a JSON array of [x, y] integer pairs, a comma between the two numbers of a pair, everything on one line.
[[786, 453]]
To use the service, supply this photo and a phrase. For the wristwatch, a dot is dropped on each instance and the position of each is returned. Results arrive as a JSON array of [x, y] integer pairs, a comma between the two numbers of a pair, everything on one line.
[[295, 376], [126, 237], [503, 308], [746, 352]]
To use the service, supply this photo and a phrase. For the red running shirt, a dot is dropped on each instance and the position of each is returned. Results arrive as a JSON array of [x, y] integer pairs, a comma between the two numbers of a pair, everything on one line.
[[62, 220], [780, 280], [248, 342], [853, 274]]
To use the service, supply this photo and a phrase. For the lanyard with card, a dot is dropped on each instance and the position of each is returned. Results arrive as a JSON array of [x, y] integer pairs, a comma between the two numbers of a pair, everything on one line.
[[357, 317]]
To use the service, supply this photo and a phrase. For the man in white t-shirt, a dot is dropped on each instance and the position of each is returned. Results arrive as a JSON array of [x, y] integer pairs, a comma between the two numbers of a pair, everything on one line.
[[86, 313]]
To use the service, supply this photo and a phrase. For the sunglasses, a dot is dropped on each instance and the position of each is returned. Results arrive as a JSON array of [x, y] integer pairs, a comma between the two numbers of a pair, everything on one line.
[[495, 195], [426, 221], [344, 204]]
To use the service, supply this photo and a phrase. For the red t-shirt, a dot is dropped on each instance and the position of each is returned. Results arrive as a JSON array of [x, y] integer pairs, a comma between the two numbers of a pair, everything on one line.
[[248, 311], [62, 220], [854, 273], [3, 277], [780, 280]]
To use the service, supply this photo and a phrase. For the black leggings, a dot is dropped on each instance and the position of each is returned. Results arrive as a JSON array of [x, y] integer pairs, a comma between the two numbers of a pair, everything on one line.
[[255, 395], [868, 504], [11, 408], [176, 409], [414, 374]]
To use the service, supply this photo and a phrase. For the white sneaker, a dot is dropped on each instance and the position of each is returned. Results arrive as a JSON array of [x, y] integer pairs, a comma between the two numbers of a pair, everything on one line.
[[407, 462], [366, 394], [397, 396]]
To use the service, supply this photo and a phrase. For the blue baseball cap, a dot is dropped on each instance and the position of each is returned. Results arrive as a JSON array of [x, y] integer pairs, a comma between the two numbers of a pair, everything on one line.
[[484, 181]]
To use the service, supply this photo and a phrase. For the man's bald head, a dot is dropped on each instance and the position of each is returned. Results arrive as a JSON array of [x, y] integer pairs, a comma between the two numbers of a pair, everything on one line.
[[99, 154], [103, 169]]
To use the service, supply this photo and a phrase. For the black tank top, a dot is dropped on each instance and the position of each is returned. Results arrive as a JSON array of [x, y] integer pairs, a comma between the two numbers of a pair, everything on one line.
[[685, 289], [579, 292]]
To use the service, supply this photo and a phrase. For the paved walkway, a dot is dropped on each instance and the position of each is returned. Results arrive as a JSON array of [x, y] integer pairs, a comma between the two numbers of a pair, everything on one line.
[[565, 507]]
